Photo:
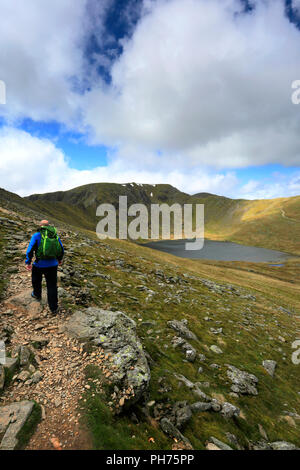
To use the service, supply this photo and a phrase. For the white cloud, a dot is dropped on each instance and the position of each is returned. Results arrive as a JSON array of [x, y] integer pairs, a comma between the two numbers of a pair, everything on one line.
[[31, 165], [279, 185], [42, 56], [200, 79], [202, 83]]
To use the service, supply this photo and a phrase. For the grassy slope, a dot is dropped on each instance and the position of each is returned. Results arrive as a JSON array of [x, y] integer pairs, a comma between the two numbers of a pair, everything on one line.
[[251, 333], [273, 223], [244, 345], [7, 260]]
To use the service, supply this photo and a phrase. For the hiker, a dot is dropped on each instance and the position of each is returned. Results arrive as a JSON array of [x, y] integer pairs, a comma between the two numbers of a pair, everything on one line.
[[49, 252]]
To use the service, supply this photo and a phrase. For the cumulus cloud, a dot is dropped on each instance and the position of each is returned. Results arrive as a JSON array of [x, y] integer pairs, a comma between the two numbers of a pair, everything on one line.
[[32, 165], [39, 55], [42, 56], [277, 186], [206, 80], [199, 90], [29, 164]]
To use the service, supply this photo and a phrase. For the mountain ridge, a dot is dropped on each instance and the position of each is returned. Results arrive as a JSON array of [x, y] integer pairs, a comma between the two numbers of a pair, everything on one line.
[[217, 338], [267, 223]]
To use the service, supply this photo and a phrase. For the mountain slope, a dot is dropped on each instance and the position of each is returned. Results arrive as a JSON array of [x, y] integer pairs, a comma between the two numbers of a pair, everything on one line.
[[272, 223], [191, 382]]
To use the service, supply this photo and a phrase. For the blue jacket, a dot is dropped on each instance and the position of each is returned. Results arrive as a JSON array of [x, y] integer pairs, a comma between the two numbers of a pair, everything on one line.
[[32, 248]]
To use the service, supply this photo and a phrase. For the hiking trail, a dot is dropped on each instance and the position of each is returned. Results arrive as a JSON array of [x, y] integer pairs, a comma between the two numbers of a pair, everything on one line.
[[57, 367]]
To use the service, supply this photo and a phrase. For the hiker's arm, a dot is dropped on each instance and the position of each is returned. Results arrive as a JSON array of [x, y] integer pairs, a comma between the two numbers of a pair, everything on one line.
[[62, 252], [30, 250]]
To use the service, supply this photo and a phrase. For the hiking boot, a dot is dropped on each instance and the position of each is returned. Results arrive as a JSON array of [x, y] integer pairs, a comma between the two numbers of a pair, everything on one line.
[[55, 312], [35, 297]]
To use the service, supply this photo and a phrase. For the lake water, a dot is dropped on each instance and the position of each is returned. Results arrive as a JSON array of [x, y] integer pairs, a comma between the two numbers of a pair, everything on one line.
[[220, 251]]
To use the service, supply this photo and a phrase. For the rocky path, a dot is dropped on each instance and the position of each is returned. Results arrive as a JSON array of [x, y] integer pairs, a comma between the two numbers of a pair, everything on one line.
[[51, 366]]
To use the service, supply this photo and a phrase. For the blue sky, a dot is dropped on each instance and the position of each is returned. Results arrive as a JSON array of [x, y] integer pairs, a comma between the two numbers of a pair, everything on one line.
[[194, 93]]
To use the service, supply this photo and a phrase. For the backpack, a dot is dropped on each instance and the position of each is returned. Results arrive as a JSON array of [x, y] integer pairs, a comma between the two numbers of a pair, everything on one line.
[[49, 248]]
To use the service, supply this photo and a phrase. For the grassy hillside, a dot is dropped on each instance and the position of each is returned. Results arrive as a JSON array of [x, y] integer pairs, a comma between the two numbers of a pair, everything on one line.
[[251, 331], [272, 223], [256, 307]]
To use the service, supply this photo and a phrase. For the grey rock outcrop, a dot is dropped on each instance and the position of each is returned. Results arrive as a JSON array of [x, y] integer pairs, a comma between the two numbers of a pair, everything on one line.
[[24, 355], [187, 348], [181, 328], [229, 410], [216, 349], [11, 363], [12, 419], [181, 413], [199, 406], [115, 333], [270, 367], [171, 430], [283, 445], [243, 382], [221, 445]]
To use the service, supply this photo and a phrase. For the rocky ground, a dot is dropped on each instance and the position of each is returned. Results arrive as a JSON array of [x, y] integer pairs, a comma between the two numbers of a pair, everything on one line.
[[50, 365], [141, 356]]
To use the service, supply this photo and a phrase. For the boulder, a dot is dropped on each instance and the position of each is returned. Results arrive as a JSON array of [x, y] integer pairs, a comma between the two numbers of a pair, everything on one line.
[[216, 349], [181, 413], [24, 300], [6, 333], [181, 328], [243, 382], [283, 445], [229, 410], [10, 365], [219, 444], [216, 405], [260, 445], [200, 406], [187, 348], [12, 420], [270, 367], [24, 355], [116, 334], [171, 430]]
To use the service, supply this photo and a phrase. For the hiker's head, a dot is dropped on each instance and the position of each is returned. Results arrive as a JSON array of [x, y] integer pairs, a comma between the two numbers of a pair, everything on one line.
[[43, 223]]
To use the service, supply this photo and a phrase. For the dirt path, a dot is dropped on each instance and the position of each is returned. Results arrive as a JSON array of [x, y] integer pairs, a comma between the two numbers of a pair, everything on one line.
[[60, 362], [286, 217]]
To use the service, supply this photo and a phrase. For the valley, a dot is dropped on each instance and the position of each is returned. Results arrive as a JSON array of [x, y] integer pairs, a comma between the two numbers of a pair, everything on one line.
[[216, 336]]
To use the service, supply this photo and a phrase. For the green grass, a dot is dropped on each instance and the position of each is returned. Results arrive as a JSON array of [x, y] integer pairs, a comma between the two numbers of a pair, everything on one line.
[[246, 346], [112, 432], [3, 280]]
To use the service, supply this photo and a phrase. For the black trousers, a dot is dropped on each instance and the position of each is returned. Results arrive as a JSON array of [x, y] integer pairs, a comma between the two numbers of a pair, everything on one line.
[[51, 281]]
